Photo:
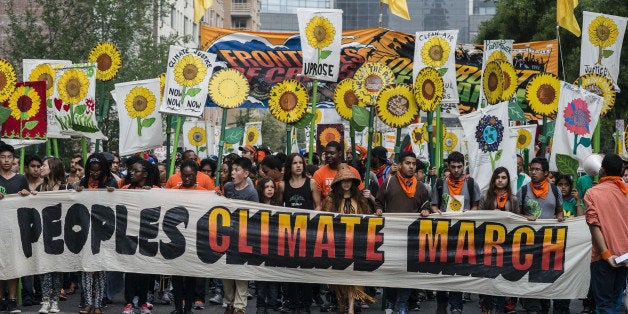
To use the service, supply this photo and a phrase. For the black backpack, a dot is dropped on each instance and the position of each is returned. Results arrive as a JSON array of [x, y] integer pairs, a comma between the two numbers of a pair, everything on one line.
[[439, 189], [524, 192]]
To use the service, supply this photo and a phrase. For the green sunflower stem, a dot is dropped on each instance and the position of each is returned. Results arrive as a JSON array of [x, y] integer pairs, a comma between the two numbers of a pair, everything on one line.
[[397, 145], [310, 153], [48, 148], [221, 145], [575, 144], [439, 139], [22, 153], [490, 155], [100, 112], [288, 138], [177, 133], [55, 148], [367, 172], [84, 148], [596, 138], [139, 128], [544, 133], [430, 139]]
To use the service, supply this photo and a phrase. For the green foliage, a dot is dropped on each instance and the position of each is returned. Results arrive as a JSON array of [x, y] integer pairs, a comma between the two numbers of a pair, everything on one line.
[[533, 20]]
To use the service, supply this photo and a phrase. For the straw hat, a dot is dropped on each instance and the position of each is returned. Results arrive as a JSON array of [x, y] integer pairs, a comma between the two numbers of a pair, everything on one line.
[[344, 173]]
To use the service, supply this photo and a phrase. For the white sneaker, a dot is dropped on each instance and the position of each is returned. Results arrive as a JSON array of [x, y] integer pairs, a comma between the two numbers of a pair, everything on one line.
[[45, 307], [54, 307]]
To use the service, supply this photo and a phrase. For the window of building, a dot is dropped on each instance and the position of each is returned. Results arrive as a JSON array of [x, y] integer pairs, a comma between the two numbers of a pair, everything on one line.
[[172, 17], [186, 22], [239, 23]]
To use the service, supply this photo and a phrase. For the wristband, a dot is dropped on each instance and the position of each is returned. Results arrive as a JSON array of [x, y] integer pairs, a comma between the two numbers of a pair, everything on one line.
[[606, 254]]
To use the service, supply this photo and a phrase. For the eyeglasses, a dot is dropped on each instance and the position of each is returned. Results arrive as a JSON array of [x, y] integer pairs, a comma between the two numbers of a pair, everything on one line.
[[536, 169]]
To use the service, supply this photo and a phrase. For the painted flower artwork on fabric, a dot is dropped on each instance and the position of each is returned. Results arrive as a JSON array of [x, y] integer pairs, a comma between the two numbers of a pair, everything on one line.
[[489, 133], [577, 120]]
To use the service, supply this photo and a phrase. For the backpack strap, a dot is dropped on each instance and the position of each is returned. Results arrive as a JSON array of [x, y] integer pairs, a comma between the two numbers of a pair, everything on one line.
[[470, 189], [524, 191], [555, 191]]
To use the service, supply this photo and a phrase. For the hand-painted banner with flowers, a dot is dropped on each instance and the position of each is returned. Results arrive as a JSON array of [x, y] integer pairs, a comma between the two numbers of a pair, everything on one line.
[[494, 50], [419, 139], [488, 133], [253, 133], [197, 136], [44, 70], [321, 33], [602, 40], [454, 140], [437, 49], [26, 124], [140, 123], [578, 115], [73, 99], [188, 74], [526, 138], [326, 133]]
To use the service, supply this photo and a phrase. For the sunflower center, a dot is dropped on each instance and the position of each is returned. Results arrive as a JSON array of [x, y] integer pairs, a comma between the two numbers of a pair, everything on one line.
[[449, 141], [595, 89], [104, 62], [492, 81], [3, 80], [330, 137], [320, 33], [506, 81], [140, 103], [603, 32], [250, 137], [197, 136], [24, 103], [46, 77], [546, 94], [521, 139], [350, 99], [73, 87], [190, 71], [417, 136], [398, 105], [288, 101], [436, 53], [428, 89], [373, 83]]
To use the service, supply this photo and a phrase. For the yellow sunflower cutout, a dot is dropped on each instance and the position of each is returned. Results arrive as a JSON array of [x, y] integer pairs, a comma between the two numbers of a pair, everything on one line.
[[450, 142], [108, 59], [7, 80], [345, 99], [329, 135], [454, 204], [73, 86], [435, 52], [523, 139], [24, 103], [162, 84], [428, 89], [197, 136], [319, 116], [252, 135], [493, 82], [396, 106], [511, 81], [370, 79], [288, 101], [542, 93], [320, 32], [44, 72], [377, 139], [139, 103], [189, 71], [228, 88], [419, 135], [601, 86], [497, 55], [603, 32]]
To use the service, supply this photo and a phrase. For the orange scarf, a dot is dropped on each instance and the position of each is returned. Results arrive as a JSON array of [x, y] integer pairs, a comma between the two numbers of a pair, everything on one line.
[[501, 198], [617, 180], [455, 186], [540, 189], [408, 185]]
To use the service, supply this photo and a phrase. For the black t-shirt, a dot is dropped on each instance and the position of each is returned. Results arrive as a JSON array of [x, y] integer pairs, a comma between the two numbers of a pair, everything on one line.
[[14, 184], [300, 197]]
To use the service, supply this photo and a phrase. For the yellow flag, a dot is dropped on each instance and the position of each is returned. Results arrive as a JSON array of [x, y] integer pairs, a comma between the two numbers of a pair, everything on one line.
[[399, 8], [200, 6], [565, 17]]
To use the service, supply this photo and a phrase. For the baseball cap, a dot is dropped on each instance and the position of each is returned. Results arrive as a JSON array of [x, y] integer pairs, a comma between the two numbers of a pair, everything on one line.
[[248, 148]]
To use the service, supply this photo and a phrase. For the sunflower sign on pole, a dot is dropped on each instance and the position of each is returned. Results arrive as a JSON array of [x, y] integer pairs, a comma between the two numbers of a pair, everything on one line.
[[346, 103], [429, 88], [7, 86], [368, 81], [108, 60], [525, 139], [492, 84], [419, 140], [228, 89], [140, 123], [288, 104], [454, 140], [397, 108], [196, 137], [186, 87], [542, 93], [253, 133], [321, 33], [578, 114]]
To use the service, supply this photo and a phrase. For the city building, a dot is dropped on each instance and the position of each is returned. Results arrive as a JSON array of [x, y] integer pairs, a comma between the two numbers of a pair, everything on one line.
[[281, 15]]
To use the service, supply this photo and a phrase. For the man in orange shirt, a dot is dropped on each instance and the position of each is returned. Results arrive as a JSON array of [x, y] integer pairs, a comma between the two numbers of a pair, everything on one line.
[[325, 174], [201, 180], [608, 223]]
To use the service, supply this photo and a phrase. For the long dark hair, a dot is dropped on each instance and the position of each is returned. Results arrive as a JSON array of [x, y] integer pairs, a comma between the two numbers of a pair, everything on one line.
[[56, 175], [105, 171], [261, 183], [337, 196], [287, 168], [490, 193]]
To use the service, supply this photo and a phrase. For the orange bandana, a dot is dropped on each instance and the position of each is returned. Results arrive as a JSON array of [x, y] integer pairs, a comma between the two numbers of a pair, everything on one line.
[[501, 198], [408, 185], [455, 186], [540, 189], [617, 180]]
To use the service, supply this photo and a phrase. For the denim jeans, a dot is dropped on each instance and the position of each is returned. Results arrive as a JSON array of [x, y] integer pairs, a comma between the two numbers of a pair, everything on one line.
[[453, 297], [607, 284], [494, 303], [402, 299]]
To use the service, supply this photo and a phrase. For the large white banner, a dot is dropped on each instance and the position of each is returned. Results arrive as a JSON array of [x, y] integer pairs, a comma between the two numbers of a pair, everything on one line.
[[44, 70], [525, 138], [600, 49], [321, 35], [140, 123], [200, 234], [437, 49], [578, 114], [187, 76], [491, 144]]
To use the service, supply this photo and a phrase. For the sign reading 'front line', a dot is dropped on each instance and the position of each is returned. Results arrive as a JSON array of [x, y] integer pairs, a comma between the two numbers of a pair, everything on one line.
[[153, 231]]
